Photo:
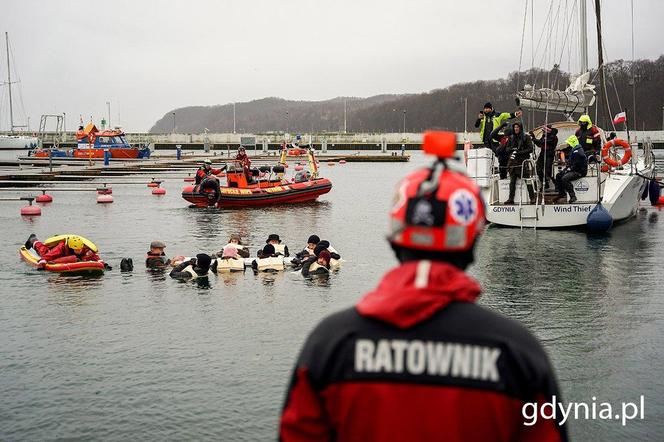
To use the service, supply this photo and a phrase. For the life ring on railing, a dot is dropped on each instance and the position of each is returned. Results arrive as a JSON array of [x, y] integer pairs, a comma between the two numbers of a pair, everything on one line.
[[626, 156]]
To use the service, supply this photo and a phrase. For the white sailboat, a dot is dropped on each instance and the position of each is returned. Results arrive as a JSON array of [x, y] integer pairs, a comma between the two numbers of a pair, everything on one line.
[[617, 188], [14, 141]]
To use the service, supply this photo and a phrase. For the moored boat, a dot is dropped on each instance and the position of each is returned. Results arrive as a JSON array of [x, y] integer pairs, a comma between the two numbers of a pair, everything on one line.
[[91, 143]]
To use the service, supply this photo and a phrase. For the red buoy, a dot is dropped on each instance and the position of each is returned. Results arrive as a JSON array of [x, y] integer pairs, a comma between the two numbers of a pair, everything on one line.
[[189, 179], [159, 191], [104, 199], [45, 198], [298, 168], [660, 201], [153, 184], [342, 162], [30, 210], [104, 190]]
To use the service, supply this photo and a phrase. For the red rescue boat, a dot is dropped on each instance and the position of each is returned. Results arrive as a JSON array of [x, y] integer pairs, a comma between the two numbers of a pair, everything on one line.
[[265, 187]]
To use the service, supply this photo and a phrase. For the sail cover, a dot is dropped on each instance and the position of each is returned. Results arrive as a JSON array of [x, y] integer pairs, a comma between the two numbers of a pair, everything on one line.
[[575, 99]]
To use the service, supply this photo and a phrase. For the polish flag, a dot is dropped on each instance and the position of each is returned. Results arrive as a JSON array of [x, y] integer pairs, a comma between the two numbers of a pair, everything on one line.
[[620, 118]]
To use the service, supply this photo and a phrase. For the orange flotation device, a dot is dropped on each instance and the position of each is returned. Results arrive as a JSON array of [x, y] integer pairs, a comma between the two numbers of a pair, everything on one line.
[[612, 161]]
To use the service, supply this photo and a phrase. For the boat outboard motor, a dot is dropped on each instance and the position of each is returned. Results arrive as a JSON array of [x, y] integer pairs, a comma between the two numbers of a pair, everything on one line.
[[654, 191], [264, 169], [255, 172], [599, 220], [278, 169]]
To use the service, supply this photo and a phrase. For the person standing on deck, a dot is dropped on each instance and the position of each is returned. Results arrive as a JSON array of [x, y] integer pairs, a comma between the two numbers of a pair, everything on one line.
[[589, 137], [577, 167], [417, 359], [547, 144], [519, 147]]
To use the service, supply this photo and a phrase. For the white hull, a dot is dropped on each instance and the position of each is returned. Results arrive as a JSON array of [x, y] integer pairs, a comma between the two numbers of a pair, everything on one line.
[[18, 142], [621, 192]]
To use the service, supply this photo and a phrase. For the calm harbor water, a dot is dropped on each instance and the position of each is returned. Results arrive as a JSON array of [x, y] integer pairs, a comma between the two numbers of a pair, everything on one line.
[[142, 357]]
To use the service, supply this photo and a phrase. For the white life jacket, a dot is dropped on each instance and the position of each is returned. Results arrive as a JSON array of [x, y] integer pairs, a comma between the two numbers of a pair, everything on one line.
[[190, 269], [280, 248], [315, 266], [272, 263], [230, 265]]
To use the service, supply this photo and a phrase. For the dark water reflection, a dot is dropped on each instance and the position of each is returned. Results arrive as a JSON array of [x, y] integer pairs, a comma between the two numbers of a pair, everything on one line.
[[140, 356]]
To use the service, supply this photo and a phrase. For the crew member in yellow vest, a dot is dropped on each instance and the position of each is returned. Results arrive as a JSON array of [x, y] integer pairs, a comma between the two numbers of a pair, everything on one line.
[[195, 268], [278, 246], [317, 265]]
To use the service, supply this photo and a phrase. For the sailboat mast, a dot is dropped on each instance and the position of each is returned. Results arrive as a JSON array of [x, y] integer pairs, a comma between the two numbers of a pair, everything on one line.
[[600, 58], [583, 36], [9, 85]]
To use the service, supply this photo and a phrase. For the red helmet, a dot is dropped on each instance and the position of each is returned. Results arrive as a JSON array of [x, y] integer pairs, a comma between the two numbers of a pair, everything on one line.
[[437, 209]]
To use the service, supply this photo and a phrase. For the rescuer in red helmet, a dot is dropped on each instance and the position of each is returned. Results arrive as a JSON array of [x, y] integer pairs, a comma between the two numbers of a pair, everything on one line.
[[416, 358]]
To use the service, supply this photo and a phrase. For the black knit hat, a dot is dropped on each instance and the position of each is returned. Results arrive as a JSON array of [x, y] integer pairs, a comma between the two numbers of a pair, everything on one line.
[[487, 104], [268, 250], [313, 239]]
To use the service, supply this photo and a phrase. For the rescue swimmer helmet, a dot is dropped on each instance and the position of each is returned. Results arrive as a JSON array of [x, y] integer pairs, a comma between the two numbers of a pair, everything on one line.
[[75, 243], [207, 162], [437, 209]]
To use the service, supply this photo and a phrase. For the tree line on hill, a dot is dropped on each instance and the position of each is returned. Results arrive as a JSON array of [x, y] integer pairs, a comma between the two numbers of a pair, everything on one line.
[[640, 82]]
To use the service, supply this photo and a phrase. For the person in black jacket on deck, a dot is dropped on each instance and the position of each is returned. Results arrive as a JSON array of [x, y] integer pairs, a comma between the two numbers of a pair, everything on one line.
[[501, 135], [577, 167], [547, 144], [519, 147]]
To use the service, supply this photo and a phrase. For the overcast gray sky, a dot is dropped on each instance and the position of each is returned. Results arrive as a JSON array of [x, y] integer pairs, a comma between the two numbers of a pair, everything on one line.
[[147, 57]]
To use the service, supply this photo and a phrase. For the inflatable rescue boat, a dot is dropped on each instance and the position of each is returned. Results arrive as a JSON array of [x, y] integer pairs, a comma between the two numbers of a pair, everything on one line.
[[66, 265]]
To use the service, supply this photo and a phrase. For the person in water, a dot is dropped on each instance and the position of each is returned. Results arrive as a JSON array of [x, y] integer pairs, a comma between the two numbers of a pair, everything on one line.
[[325, 245], [267, 252], [199, 267], [275, 241], [156, 257], [308, 251], [230, 252], [66, 250], [317, 265], [236, 240], [416, 358], [206, 178]]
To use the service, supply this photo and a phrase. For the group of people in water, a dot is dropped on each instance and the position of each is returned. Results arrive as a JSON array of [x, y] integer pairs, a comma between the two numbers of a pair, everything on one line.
[[513, 146], [317, 257]]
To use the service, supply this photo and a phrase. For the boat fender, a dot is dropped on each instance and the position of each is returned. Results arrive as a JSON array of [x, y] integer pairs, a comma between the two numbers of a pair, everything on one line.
[[654, 191], [599, 220], [264, 169]]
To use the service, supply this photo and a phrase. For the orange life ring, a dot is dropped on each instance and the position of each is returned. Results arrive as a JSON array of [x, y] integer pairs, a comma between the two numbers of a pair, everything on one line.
[[616, 142]]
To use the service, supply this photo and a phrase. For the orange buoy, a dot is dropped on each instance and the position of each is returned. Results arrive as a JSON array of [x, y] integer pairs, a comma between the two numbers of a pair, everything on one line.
[[30, 210], [189, 179], [104, 199], [660, 201], [45, 198], [104, 190], [153, 184], [159, 191]]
